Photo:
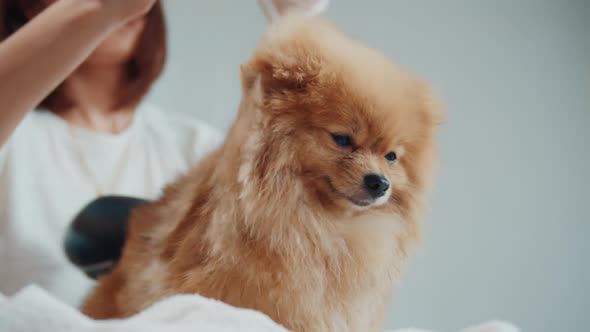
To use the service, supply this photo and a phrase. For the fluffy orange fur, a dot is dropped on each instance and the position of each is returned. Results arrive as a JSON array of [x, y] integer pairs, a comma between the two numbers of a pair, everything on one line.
[[269, 221]]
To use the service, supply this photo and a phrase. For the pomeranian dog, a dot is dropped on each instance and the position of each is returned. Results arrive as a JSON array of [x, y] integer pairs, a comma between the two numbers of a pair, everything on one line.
[[308, 210]]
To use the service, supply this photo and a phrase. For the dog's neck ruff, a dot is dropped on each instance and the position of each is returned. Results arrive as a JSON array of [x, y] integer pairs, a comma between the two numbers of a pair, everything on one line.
[[273, 200]]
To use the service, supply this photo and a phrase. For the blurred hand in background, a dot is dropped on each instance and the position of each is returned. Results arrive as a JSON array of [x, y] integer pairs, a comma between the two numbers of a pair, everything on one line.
[[276, 8]]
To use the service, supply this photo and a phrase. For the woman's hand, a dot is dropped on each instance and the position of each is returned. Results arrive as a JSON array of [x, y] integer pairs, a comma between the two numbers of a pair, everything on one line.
[[114, 12], [123, 11], [276, 8]]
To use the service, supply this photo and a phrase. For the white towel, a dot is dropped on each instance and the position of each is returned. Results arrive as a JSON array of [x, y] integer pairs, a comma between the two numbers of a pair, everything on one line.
[[494, 326], [34, 310]]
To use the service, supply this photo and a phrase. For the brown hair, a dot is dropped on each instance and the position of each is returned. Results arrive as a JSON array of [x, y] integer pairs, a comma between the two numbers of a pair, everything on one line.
[[143, 69]]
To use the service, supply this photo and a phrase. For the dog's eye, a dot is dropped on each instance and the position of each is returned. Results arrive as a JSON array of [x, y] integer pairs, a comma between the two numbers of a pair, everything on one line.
[[342, 140], [391, 157]]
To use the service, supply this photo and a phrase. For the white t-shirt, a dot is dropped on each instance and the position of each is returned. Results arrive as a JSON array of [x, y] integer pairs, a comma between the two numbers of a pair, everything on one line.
[[44, 184]]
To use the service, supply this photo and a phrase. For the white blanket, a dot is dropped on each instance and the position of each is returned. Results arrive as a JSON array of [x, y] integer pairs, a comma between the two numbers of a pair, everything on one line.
[[34, 310]]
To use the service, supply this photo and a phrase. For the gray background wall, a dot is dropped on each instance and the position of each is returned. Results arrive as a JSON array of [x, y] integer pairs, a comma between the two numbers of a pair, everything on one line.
[[510, 216]]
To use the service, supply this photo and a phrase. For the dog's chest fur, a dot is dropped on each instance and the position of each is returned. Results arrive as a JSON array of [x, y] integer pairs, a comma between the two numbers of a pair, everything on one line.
[[342, 284]]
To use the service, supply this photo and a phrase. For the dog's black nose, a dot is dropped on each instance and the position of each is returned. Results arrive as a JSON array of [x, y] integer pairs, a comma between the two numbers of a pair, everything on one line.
[[376, 185]]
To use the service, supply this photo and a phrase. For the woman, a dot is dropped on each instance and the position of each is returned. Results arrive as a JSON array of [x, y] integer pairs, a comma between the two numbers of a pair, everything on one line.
[[85, 67]]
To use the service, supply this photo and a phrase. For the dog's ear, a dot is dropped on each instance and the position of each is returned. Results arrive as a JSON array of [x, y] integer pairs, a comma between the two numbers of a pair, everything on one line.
[[286, 72], [433, 109], [438, 110]]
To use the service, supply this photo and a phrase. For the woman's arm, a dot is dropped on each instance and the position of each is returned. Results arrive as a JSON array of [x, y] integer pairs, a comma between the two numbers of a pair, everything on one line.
[[38, 57]]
